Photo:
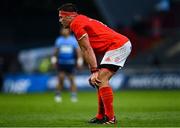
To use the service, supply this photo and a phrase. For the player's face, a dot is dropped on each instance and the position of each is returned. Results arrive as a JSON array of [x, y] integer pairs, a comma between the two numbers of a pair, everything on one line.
[[64, 20]]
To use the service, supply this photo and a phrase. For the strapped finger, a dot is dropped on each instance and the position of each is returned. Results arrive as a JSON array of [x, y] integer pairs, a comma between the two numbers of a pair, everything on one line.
[[97, 81]]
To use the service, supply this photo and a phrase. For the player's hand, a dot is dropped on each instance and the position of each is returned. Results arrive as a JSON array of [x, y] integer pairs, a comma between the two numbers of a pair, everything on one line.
[[54, 62], [91, 83], [93, 80]]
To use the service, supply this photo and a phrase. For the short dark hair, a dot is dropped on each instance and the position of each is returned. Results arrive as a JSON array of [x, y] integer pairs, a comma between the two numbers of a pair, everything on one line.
[[68, 7]]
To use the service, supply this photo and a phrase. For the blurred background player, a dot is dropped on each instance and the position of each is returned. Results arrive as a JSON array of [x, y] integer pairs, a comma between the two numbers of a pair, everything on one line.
[[66, 57]]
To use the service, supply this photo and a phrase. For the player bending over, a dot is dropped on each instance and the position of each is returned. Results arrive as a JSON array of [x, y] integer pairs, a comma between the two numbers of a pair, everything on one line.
[[96, 39]]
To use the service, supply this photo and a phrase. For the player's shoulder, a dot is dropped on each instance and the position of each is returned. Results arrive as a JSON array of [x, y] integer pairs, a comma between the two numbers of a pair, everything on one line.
[[80, 19], [59, 39], [71, 37]]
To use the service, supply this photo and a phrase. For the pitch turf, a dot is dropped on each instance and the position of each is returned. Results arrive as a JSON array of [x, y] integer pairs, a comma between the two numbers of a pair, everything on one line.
[[133, 108]]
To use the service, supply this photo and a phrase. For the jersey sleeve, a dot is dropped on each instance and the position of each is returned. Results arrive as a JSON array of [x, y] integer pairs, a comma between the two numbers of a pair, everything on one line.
[[78, 29], [57, 42]]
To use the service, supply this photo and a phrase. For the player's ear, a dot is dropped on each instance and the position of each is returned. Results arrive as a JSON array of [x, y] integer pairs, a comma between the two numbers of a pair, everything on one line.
[[69, 18]]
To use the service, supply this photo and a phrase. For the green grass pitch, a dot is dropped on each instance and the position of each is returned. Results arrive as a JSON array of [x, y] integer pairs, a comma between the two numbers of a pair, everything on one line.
[[132, 108]]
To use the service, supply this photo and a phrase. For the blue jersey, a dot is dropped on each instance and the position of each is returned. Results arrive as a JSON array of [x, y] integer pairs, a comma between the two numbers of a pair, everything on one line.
[[67, 49]]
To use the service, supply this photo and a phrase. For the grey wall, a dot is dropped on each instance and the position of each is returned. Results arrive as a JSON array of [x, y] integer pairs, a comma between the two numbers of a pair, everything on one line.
[[123, 11]]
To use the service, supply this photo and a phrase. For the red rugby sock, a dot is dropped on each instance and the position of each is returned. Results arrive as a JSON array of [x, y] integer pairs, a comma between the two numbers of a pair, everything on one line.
[[106, 94], [101, 111]]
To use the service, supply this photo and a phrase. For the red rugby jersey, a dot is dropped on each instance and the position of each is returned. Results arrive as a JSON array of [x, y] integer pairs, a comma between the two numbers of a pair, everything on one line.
[[101, 37]]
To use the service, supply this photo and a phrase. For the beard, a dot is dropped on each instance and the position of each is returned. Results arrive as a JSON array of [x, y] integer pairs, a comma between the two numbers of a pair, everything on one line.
[[65, 25]]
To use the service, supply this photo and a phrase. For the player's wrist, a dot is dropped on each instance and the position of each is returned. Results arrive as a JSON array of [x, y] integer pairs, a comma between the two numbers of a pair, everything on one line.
[[94, 69]]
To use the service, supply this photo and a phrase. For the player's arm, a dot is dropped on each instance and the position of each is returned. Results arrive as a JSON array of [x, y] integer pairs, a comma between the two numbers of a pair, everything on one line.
[[55, 56], [79, 58], [88, 52], [56, 50]]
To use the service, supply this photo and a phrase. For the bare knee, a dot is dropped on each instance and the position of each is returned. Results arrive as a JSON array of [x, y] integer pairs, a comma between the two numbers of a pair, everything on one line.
[[104, 77], [71, 78], [61, 76]]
